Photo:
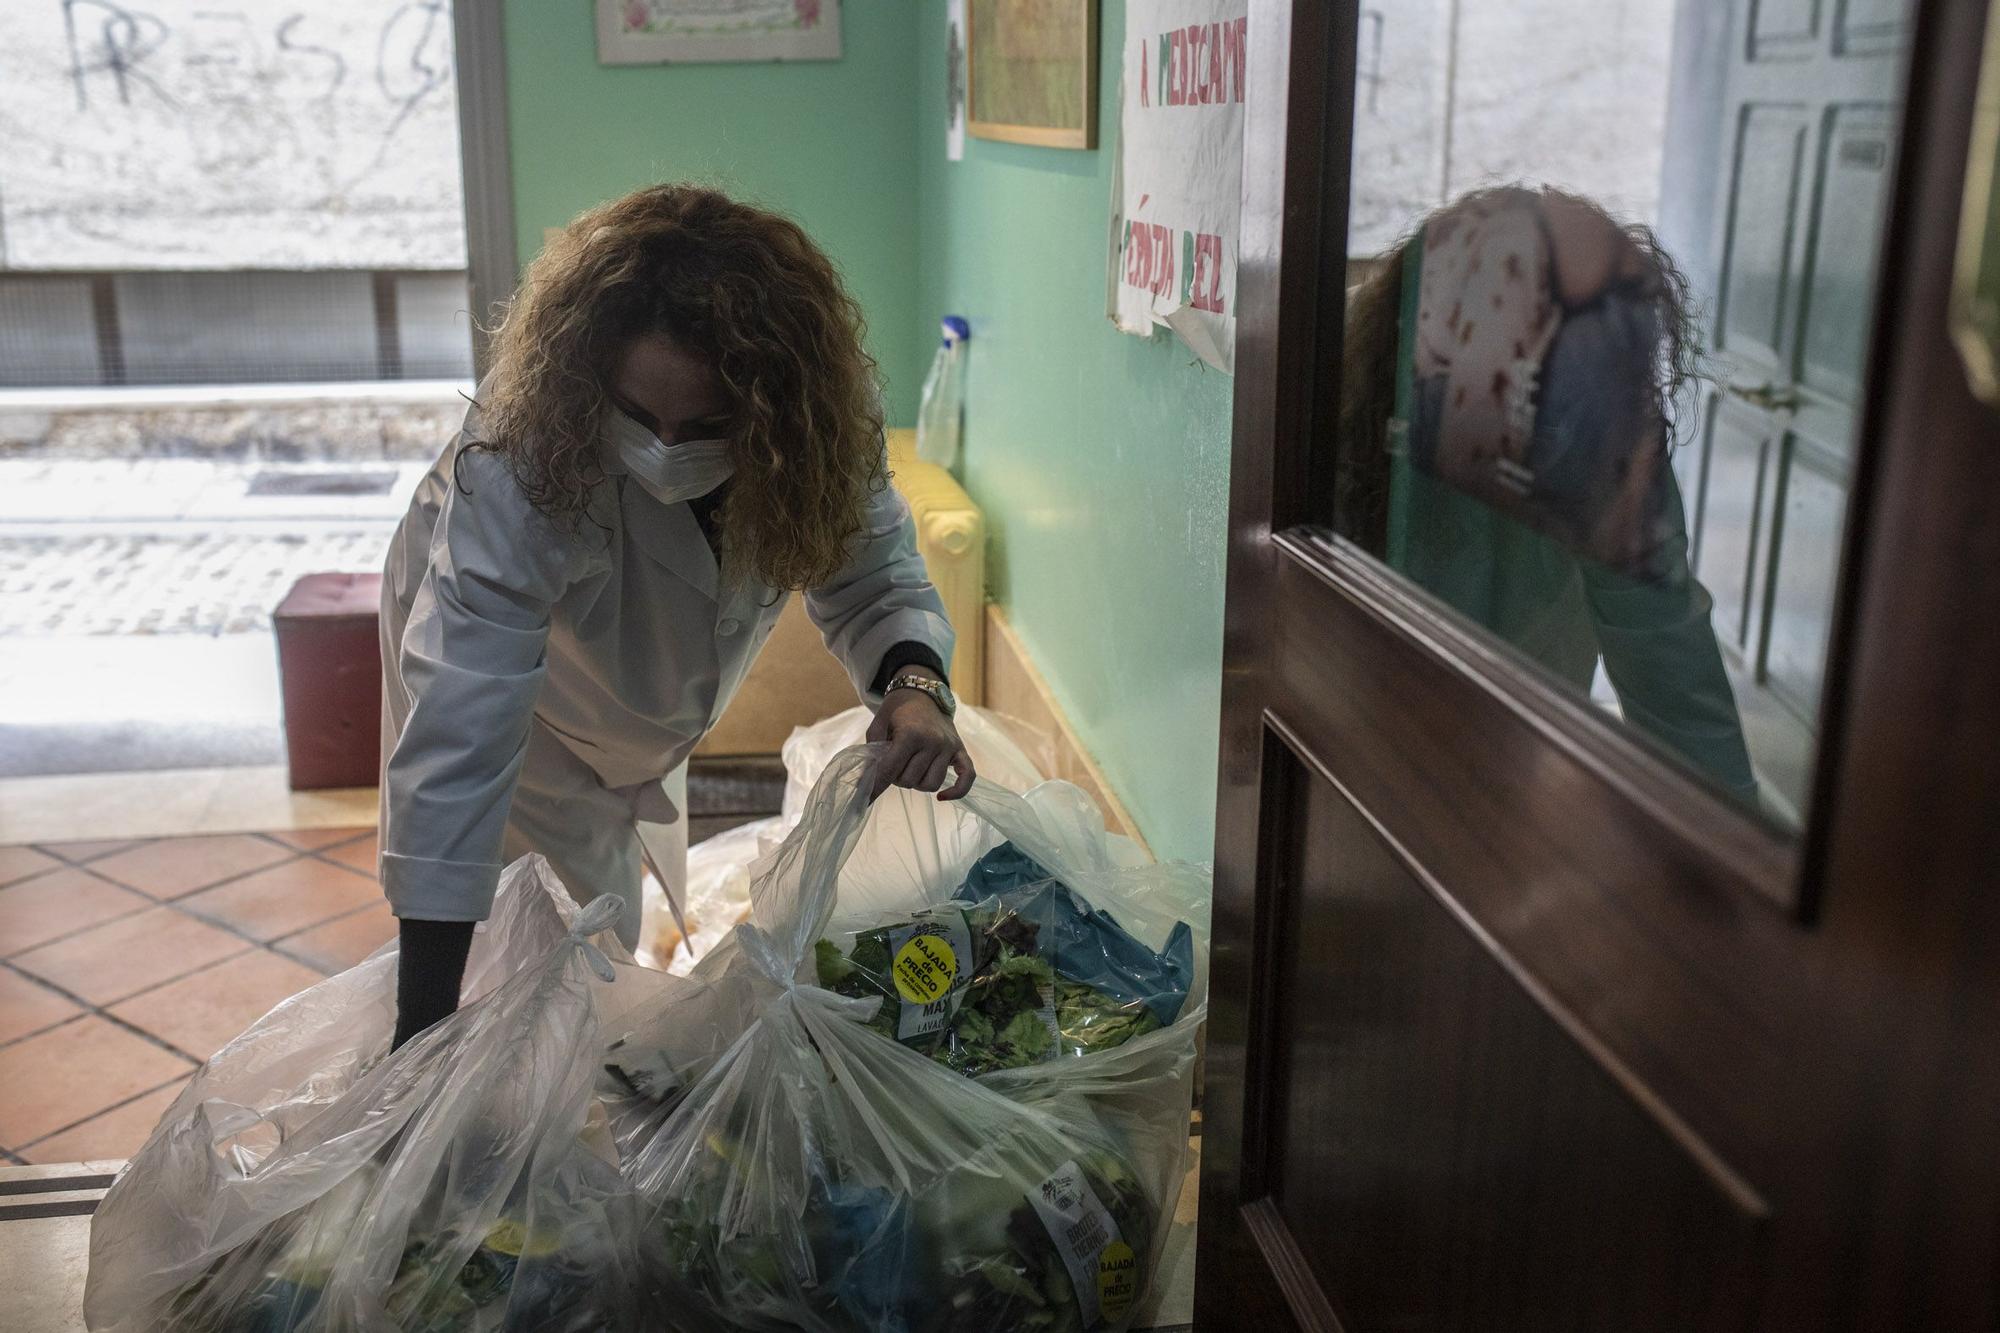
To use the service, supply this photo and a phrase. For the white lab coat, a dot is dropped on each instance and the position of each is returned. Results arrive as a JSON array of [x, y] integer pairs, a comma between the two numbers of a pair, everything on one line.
[[542, 689]]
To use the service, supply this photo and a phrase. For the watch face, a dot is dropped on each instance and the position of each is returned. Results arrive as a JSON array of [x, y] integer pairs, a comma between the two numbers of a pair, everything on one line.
[[939, 692]]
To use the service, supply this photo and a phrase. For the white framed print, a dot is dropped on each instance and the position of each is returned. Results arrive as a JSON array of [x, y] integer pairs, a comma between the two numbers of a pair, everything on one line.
[[657, 32]]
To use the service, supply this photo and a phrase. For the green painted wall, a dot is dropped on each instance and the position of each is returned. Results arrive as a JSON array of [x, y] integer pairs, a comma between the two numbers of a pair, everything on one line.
[[1102, 460], [832, 143]]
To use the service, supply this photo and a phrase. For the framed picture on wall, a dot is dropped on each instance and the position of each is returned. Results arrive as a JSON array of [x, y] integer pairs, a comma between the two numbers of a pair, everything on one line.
[[1031, 71], [656, 32]]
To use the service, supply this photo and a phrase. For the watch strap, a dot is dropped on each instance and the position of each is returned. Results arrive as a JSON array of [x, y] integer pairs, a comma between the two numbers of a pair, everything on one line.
[[939, 692]]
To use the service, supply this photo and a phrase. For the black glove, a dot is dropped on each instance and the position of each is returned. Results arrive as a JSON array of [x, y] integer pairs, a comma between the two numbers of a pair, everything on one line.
[[429, 971]]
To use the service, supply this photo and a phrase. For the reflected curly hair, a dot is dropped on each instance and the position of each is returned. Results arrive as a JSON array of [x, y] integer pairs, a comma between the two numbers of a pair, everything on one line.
[[744, 288], [1373, 330]]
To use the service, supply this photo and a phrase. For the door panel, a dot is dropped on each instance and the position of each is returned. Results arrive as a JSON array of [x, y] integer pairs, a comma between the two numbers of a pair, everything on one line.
[[1780, 29], [1871, 27], [1846, 237], [1756, 287], [1421, 1079], [1731, 502], [1814, 500]]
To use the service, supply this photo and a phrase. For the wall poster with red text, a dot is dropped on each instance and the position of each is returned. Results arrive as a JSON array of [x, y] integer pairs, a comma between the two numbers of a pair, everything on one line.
[[1177, 186]]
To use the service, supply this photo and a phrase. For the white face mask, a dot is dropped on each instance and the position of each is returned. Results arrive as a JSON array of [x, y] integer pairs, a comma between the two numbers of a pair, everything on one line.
[[670, 473]]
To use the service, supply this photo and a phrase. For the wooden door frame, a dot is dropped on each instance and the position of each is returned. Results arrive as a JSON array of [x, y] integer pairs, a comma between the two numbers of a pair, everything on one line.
[[1895, 870]]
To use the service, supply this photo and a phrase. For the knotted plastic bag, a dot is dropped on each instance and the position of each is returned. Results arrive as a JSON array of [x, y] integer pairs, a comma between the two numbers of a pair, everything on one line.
[[308, 1179]]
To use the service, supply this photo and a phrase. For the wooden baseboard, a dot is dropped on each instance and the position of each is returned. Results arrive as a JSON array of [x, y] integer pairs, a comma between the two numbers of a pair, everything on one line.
[[1015, 687]]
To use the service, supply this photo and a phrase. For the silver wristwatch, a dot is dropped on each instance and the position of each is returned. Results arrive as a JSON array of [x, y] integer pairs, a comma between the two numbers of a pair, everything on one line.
[[939, 692]]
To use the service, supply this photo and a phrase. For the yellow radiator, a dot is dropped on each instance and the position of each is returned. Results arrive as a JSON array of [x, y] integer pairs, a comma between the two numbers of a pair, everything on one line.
[[796, 681], [951, 532]]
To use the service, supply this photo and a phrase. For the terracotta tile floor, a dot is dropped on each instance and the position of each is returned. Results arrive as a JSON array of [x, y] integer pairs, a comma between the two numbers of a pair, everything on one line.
[[124, 965]]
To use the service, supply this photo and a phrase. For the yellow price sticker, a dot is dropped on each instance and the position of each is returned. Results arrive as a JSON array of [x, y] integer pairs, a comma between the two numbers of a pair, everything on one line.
[[1117, 1281], [507, 1237], [513, 1238], [925, 967]]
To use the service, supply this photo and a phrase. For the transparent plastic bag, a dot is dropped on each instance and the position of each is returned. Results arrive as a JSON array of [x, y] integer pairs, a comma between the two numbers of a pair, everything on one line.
[[817, 1175], [1007, 751], [1004, 750], [308, 1179], [718, 896]]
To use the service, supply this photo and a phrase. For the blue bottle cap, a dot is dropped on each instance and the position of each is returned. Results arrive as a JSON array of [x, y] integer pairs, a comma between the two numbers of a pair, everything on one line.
[[956, 329]]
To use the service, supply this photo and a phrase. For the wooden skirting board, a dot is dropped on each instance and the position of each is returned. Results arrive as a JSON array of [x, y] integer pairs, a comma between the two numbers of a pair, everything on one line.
[[1016, 688]]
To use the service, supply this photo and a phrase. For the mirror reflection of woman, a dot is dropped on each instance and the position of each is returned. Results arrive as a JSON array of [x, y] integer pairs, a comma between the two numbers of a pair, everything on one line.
[[680, 429], [1509, 382]]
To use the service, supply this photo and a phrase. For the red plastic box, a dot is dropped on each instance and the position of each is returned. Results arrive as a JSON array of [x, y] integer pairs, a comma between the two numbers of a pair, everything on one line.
[[330, 669]]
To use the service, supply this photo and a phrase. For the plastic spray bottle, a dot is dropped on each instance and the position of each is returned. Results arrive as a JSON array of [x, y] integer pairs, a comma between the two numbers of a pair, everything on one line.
[[941, 415]]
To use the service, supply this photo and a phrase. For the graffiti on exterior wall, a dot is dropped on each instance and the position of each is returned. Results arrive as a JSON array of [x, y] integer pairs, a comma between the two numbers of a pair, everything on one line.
[[202, 134]]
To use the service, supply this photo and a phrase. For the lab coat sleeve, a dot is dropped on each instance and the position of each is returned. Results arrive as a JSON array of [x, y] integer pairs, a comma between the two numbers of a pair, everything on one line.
[[472, 661], [882, 598]]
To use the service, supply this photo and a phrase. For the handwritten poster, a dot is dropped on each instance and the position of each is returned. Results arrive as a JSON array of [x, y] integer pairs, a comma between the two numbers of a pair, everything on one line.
[[1177, 185]]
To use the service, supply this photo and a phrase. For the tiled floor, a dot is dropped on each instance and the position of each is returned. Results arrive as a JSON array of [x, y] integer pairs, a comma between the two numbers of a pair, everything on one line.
[[124, 965]]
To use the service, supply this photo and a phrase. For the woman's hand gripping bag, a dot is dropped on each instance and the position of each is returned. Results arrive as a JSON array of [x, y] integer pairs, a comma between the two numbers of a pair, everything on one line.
[[307, 1179], [1004, 750], [913, 841], [821, 1175]]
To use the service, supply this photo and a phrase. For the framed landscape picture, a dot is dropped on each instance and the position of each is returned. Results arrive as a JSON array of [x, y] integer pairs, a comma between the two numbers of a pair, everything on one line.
[[1031, 71], [655, 32]]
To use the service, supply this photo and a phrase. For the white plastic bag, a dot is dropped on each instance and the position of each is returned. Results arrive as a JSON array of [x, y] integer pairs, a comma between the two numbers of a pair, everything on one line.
[[1007, 751], [817, 1174], [307, 1179], [1004, 750], [718, 895]]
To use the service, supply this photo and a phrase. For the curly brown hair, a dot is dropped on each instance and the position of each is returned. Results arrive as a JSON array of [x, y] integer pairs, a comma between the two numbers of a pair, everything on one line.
[[1371, 338], [746, 289]]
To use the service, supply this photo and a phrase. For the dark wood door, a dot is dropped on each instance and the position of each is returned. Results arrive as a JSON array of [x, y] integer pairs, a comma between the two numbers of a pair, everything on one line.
[[1518, 1026]]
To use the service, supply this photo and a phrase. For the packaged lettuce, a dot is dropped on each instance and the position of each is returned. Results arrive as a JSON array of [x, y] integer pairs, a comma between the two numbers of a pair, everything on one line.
[[1016, 970], [832, 1168]]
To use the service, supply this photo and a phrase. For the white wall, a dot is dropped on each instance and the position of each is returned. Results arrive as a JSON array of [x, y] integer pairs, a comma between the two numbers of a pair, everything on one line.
[[1455, 94], [194, 134]]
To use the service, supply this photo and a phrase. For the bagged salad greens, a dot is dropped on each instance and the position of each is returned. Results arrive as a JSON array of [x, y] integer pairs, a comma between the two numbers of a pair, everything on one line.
[[307, 1179], [1045, 1226], [536, 1264], [816, 1175], [1015, 970]]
